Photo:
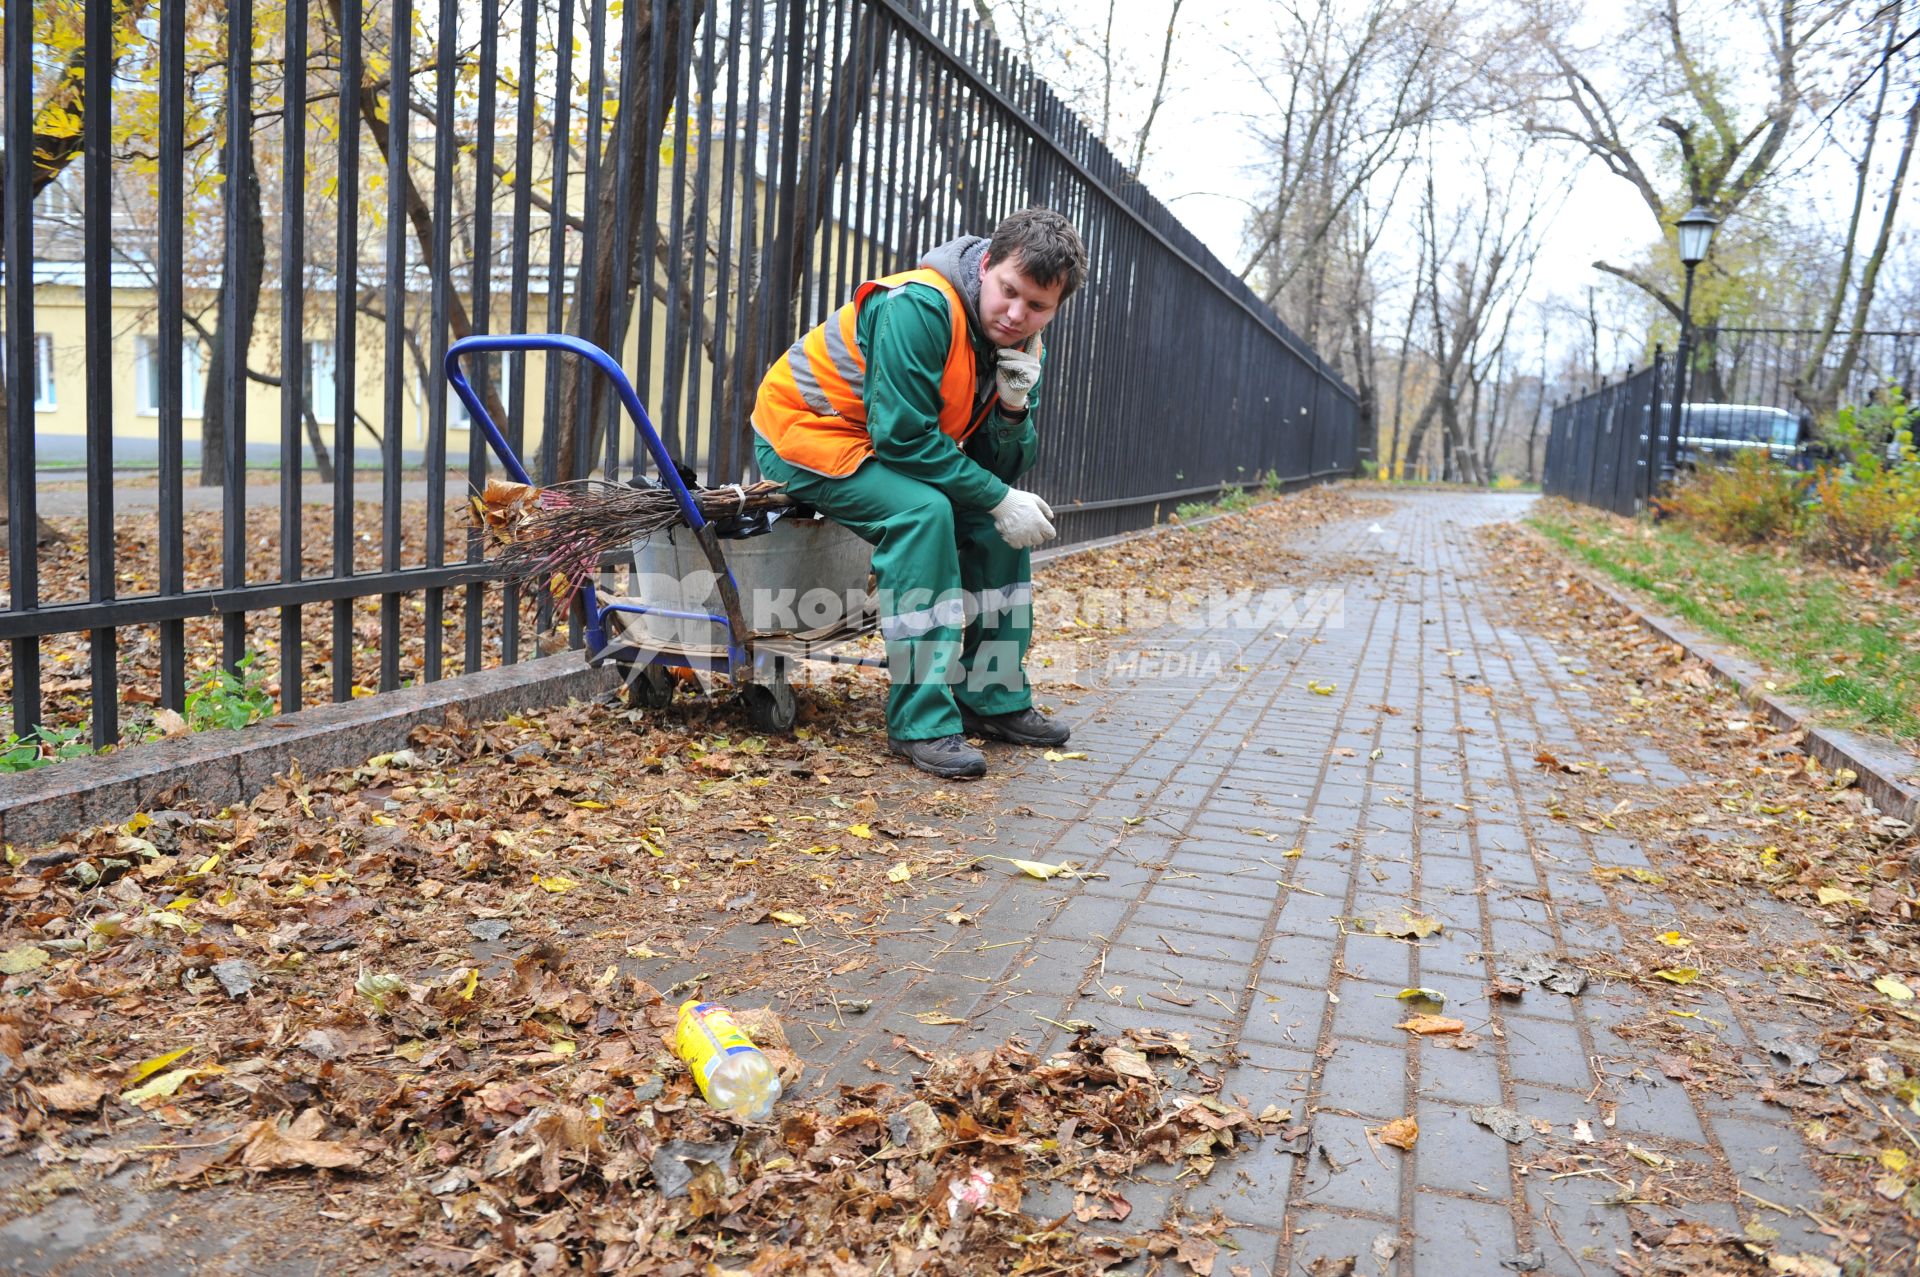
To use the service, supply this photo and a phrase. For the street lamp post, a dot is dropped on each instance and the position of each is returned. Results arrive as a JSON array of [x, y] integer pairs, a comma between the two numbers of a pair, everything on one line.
[[1696, 236]]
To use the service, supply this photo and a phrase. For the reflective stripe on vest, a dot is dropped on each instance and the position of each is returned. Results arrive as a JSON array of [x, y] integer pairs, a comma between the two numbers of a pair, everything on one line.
[[812, 408]]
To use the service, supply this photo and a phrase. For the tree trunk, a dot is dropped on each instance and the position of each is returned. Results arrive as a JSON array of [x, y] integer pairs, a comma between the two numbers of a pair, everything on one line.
[[214, 429], [603, 298]]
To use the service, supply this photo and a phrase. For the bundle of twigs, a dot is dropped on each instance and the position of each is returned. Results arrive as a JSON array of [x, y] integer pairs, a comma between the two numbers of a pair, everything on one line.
[[556, 538]]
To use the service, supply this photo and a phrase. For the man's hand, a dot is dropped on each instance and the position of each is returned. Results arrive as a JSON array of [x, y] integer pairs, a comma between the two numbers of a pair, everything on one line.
[[1016, 372], [1022, 519]]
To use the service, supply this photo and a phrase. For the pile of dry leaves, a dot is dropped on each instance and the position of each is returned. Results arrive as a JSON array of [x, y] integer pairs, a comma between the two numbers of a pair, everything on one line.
[[430, 991], [1763, 820]]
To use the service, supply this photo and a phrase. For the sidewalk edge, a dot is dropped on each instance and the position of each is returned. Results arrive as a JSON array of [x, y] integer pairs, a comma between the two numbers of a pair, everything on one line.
[[1878, 768]]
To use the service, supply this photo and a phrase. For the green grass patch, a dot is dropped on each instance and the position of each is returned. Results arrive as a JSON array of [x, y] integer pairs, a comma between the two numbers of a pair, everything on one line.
[[1846, 649]]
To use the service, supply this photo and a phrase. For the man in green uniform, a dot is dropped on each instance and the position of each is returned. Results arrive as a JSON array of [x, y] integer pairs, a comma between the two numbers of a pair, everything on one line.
[[907, 417]]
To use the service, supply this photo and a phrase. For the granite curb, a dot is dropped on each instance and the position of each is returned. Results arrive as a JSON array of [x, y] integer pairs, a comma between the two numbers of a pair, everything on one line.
[[225, 767], [1879, 768]]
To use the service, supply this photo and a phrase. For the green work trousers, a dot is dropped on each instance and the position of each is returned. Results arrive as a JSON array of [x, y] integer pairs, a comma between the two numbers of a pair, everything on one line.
[[956, 601]]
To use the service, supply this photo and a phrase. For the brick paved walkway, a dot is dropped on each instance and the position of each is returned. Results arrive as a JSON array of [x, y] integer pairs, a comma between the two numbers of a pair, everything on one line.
[[1195, 789]]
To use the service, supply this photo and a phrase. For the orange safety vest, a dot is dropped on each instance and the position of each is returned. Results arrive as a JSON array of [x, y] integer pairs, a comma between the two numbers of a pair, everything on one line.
[[811, 407]]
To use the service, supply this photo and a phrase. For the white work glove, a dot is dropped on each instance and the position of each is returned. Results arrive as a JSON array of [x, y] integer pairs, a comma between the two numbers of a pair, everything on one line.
[[1016, 372], [1023, 520]]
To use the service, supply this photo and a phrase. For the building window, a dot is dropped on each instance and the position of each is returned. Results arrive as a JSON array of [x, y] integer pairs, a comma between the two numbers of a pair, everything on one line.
[[146, 377], [43, 393], [321, 388], [499, 372]]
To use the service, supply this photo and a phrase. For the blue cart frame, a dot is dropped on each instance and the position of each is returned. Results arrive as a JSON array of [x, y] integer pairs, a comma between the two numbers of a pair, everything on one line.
[[761, 676]]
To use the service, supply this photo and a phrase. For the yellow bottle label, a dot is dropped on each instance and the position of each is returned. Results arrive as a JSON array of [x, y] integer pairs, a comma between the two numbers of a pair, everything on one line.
[[704, 1038]]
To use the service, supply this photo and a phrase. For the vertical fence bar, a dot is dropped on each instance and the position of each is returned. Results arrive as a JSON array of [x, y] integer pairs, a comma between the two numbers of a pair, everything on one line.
[[233, 392], [702, 211], [481, 313], [448, 37], [673, 380], [23, 523], [393, 414], [97, 137], [293, 363], [172, 473], [584, 420], [724, 467], [515, 427], [346, 285], [552, 429]]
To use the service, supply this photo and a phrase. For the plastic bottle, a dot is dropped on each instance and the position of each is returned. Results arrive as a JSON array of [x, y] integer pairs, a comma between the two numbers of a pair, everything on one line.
[[733, 1073]]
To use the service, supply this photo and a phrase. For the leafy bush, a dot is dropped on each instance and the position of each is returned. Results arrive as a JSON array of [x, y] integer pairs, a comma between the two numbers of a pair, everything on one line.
[[1751, 500], [1866, 510]]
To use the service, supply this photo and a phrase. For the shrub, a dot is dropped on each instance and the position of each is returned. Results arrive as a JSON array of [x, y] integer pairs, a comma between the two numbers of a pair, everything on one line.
[[1870, 520], [1753, 499], [1866, 509]]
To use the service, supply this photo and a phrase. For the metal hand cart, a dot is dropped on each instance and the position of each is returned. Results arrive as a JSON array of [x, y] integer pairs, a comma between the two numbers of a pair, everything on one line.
[[648, 638]]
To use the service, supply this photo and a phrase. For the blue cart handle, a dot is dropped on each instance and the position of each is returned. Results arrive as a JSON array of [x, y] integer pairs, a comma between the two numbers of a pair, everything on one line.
[[564, 343]]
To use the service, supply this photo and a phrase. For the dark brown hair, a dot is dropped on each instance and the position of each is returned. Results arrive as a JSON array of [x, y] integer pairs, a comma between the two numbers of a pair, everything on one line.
[[1045, 246]]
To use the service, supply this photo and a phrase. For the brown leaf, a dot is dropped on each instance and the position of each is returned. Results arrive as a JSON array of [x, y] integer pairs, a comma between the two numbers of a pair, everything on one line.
[[73, 1093], [1677, 1067], [269, 1147], [1401, 1133]]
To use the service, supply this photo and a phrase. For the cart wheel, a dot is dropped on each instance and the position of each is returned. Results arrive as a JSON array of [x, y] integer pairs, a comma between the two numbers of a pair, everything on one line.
[[770, 706], [648, 687]]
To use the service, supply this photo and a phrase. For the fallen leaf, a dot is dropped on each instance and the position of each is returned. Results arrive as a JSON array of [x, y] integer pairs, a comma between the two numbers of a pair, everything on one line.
[[938, 1018], [1422, 993], [73, 1093], [862, 830], [1582, 1131], [1400, 1133], [1679, 975], [1893, 989], [1056, 756], [789, 917], [270, 1146], [1428, 1025], [25, 957], [147, 1068], [159, 1088], [1673, 940], [1504, 1122], [899, 873], [1837, 895], [555, 883], [1127, 1063]]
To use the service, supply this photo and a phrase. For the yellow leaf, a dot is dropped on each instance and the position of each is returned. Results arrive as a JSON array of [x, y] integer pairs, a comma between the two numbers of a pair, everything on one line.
[[789, 917], [411, 1050], [938, 1017], [640, 951], [473, 982], [899, 873], [139, 822], [589, 804], [1035, 868], [1322, 689], [561, 1046], [1679, 975], [1673, 940], [146, 1068], [1837, 895], [1055, 756], [1429, 995], [164, 1085], [25, 957], [1893, 989], [1894, 1159], [652, 849], [862, 830], [557, 883]]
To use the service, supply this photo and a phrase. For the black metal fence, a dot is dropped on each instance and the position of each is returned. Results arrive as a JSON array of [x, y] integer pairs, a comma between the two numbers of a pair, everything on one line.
[[1608, 448], [1793, 369], [702, 180]]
